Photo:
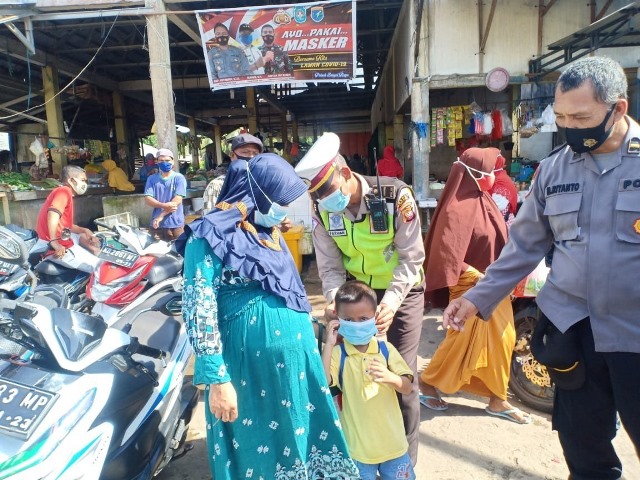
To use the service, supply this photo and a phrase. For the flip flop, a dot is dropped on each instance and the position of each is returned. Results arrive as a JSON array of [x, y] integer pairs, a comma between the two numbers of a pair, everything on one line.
[[508, 415], [424, 400]]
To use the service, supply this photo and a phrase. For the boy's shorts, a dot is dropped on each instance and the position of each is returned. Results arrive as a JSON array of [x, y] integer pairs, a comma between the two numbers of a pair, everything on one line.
[[397, 469]]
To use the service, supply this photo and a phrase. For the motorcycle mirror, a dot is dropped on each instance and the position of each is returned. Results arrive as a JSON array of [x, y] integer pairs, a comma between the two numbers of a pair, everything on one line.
[[13, 249], [65, 234]]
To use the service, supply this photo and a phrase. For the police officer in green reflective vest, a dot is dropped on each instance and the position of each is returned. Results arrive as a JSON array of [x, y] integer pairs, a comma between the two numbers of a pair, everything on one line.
[[373, 235]]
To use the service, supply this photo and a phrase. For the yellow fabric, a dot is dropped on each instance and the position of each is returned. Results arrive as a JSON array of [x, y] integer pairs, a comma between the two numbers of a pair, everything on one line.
[[117, 178], [370, 416], [478, 358]]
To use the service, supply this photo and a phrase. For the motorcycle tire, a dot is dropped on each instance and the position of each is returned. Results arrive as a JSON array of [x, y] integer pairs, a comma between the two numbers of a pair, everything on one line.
[[529, 380]]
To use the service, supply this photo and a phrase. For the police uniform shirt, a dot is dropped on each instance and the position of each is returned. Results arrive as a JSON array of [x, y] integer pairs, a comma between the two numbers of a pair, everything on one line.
[[227, 62], [592, 218], [407, 242]]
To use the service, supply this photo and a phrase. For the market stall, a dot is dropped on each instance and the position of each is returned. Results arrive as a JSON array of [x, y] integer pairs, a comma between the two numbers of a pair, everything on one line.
[[24, 198]]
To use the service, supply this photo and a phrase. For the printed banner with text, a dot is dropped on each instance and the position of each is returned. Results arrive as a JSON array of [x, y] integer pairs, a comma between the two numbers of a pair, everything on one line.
[[305, 42]]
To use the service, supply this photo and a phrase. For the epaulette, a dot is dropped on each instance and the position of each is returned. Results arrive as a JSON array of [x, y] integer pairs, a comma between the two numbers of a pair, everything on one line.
[[557, 149], [634, 145]]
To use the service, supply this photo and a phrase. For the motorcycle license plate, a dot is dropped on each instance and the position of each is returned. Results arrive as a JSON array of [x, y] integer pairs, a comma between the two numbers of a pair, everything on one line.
[[124, 258], [5, 268], [22, 407]]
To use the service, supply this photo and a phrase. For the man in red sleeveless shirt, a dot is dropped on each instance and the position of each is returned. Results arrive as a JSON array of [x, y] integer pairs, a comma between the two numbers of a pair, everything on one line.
[[80, 250]]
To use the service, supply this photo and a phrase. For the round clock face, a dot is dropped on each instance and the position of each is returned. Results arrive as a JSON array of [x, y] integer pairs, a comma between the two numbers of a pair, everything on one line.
[[497, 79]]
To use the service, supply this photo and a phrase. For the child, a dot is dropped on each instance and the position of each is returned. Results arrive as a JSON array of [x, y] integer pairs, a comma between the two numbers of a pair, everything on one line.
[[369, 372]]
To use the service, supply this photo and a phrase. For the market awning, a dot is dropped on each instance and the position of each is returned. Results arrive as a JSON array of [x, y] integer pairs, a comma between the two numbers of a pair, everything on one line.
[[620, 29]]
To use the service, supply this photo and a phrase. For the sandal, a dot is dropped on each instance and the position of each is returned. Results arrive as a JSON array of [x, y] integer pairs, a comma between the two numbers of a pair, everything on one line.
[[428, 401], [510, 415]]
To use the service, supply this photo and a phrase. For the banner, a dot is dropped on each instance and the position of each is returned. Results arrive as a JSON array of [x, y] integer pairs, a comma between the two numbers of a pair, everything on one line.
[[305, 42]]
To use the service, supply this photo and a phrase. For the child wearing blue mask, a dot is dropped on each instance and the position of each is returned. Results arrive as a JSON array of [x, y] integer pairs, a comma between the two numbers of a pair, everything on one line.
[[369, 373]]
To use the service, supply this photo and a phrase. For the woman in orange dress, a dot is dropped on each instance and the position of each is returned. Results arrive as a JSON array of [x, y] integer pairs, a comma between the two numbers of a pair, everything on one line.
[[466, 235]]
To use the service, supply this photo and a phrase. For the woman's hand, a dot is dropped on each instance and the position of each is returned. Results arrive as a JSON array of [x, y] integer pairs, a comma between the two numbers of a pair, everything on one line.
[[223, 401]]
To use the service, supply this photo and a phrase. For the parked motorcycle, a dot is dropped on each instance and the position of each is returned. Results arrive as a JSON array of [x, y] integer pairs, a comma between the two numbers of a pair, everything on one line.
[[529, 380], [87, 400], [67, 285], [134, 266], [13, 278]]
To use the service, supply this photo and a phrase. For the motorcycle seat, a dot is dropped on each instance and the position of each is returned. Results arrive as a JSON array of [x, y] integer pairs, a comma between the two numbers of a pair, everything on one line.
[[167, 266], [52, 269], [25, 233]]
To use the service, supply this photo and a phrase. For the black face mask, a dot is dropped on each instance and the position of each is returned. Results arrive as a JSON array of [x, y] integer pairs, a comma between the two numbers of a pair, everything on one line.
[[223, 40], [268, 39], [582, 140]]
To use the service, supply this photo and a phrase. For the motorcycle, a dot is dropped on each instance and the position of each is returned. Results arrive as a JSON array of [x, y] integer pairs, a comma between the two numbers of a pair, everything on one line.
[[529, 380], [134, 266], [66, 284], [86, 400], [13, 278]]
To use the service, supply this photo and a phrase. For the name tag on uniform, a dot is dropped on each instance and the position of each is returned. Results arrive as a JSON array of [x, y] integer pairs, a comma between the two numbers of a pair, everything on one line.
[[336, 225], [629, 184]]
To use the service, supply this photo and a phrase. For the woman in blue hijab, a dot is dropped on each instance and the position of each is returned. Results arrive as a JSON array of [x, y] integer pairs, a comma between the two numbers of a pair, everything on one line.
[[269, 412]]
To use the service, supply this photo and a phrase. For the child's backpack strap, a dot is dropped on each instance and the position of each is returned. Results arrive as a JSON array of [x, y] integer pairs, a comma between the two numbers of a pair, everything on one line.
[[343, 357], [382, 348]]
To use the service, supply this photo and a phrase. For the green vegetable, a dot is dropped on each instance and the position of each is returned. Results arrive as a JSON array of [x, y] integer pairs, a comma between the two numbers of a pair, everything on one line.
[[17, 181]]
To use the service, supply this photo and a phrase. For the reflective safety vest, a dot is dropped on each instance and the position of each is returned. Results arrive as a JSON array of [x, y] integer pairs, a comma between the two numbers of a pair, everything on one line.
[[368, 256]]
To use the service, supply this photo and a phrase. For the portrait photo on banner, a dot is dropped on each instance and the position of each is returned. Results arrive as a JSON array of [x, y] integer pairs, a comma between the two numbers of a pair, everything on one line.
[[305, 42]]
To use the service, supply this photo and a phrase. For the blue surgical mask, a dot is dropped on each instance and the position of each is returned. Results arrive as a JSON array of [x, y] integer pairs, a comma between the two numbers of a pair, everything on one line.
[[246, 38], [165, 166], [275, 215], [336, 202], [358, 333]]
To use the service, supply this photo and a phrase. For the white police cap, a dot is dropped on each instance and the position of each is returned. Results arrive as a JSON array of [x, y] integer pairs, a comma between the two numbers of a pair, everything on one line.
[[316, 167]]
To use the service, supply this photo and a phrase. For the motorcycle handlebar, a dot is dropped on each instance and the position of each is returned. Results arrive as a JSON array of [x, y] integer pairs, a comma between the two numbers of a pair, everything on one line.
[[137, 347]]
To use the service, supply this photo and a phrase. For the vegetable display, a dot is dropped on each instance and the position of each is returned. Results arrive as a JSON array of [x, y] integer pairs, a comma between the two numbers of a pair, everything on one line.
[[16, 181]]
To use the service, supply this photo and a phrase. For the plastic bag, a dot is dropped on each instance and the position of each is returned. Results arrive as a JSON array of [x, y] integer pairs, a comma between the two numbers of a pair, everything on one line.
[[507, 124], [531, 285], [548, 119]]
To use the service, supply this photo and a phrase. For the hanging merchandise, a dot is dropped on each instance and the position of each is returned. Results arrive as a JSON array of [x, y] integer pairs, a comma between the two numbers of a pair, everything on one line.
[[497, 132], [451, 129], [440, 126], [434, 128], [478, 123], [487, 124], [507, 124], [548, 118], [459, 118]]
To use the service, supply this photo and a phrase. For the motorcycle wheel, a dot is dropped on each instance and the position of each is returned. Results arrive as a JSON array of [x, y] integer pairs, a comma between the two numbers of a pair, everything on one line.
[[529, 380]]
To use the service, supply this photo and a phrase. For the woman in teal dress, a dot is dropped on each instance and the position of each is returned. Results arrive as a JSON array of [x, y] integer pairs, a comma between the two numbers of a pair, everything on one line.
[[269, 412]]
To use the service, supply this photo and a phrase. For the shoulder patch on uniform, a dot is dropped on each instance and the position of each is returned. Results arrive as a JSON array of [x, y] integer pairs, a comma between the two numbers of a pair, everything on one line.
[[533, 179], [406, 207], [636, 226]]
